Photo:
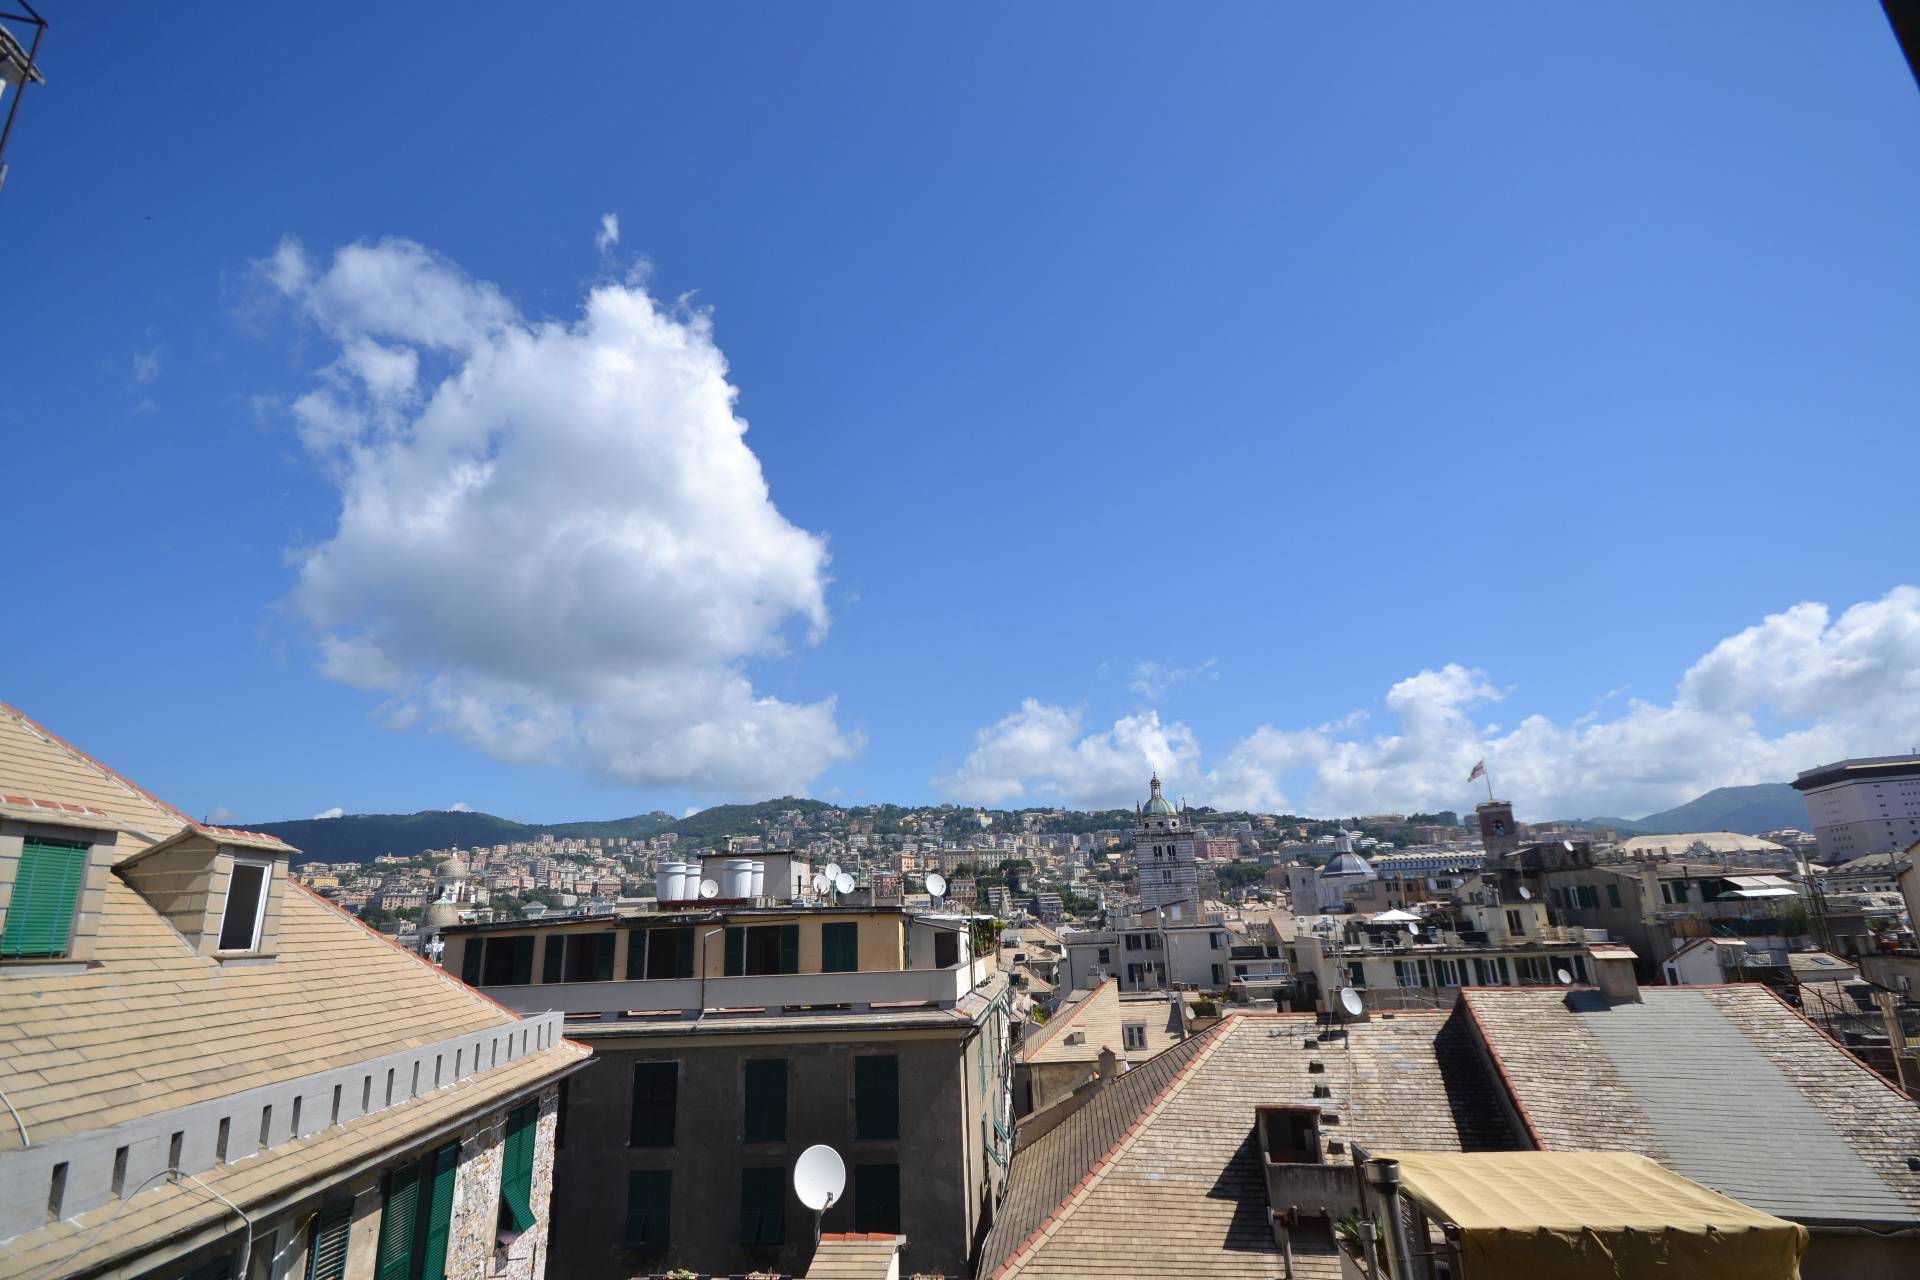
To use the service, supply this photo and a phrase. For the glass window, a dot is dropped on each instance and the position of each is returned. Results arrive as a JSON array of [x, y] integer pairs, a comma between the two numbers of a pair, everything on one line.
[[246, 898]]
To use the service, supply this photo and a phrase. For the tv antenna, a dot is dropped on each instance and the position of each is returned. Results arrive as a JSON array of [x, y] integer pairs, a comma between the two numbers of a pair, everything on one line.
[[819, 1176]]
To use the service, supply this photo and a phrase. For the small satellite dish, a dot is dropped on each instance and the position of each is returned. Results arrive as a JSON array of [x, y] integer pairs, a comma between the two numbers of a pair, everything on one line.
[[709, 889], [820, 883], [1566, 979], [936, 884], [843, 883], [1351, 1002], [819, 1176], [1567, 845], [1187, 1010], [1526, 894], [1414, 929], [831, 871]]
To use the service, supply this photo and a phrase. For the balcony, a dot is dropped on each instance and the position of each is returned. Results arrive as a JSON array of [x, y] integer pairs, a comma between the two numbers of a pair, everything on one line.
[[759, 993]]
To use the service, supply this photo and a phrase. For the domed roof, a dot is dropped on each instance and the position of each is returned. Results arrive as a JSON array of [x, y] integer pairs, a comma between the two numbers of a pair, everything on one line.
[[1157, 803], [1349, 864], [454, 868]]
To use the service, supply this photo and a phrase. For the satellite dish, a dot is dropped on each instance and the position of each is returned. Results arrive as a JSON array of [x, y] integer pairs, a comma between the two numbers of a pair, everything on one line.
[[709, 889], [819, 1176], [1526, 894], [936, 884], [1566, 979], [820, 884], [1351, 1002], [1567, 845], [832, 871], [843, 883], [1414, 929], [1187, 1010]]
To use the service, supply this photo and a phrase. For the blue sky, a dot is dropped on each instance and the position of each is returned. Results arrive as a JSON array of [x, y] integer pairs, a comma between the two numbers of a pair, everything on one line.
[[1533, 382]]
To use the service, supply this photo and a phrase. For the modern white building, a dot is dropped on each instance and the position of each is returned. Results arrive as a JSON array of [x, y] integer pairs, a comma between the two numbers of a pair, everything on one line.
[[1863, 806], [1164, 852]]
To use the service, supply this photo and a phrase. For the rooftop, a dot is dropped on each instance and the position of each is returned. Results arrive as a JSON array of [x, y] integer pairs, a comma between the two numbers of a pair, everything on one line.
[[1856, 770]]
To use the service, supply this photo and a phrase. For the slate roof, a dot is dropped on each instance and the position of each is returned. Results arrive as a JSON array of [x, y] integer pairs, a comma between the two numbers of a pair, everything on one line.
[[1726, 1085], [1159, 1174], [1101, 1016], [854, 1256]]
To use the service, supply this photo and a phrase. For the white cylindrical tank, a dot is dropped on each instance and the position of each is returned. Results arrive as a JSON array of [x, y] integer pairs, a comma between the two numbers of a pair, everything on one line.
[[759, 876], [673, 882], [739, 878]]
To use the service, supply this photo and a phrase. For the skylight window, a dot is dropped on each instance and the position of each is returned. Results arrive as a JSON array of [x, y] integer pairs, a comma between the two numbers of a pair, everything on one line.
[[246, 904]]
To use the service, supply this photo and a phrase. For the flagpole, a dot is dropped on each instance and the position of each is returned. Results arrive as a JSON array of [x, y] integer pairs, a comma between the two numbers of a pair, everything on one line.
[[1489, 781]]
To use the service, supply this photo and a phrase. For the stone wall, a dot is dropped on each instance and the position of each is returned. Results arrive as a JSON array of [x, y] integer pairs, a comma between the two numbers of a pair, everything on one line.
[[472, 1248]]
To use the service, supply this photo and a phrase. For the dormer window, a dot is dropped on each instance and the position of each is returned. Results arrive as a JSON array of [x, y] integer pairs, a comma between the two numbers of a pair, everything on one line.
[[246, 906], [44, 899]]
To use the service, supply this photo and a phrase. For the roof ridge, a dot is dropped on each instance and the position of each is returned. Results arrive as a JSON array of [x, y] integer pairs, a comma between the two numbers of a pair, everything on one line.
[[1055, 1023], [1097, 1174], [36, 727], [1506, 1081]]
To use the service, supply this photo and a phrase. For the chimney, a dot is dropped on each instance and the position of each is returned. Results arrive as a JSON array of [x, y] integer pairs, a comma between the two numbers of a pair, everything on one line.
[[1613, 973]]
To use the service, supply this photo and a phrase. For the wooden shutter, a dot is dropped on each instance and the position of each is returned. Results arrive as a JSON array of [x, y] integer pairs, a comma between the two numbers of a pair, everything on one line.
[[765, 1118], [397, 1224], [649, 1209], [516, 1168], [554, 969], [637, 943], [46, 892], [470, 961], [603, 958], [433, 1246], [876, 1198], [736, 952], [789, 948], [327, 1243], [522, 961], [685, 969], [876, 1097], [656, 1096], [839, 948], [763, 1206]]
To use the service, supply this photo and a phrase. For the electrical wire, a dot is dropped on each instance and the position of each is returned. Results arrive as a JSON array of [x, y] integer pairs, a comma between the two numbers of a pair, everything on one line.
[[86, 1237], [25, 1142]]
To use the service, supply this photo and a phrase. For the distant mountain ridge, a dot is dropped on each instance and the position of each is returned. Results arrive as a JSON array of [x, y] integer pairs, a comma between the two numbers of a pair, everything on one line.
[[1751, 810]]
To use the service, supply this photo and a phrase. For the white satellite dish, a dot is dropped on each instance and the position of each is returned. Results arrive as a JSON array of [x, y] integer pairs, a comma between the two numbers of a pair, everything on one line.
[[709, 889], [820, 883], [832, 871], [1526, 894], [843, 883], [1566, 979], [1187, 1010], [819, 1176], [1351, 1002], [1414, 929], [1567, 845], [936, 884]]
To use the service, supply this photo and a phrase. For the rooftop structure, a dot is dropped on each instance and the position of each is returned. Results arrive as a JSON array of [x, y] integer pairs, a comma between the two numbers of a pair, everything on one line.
[[1863, 806]]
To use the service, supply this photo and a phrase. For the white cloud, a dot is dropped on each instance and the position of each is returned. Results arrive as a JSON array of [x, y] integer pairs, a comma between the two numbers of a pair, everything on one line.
[[221, 815], [1797, 689], [609, 233], [1041, 754], [459, 806], [1151, 680], [553, 541], [335, 812], [146, 365]]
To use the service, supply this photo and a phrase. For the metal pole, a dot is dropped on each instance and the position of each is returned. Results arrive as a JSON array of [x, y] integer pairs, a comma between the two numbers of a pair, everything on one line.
[[33, 65], [1384, 1176]]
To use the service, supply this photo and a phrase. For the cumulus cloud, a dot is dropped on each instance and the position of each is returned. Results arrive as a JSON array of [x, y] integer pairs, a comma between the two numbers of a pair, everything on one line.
[[1152, 680], [1042, 754], [221, 815], [335, 812], [553, 541], [1796, 689], [609, 233], [459, 806]]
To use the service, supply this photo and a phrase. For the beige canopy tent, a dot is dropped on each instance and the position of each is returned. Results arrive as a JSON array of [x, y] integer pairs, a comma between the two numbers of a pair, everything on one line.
[[1589, 1215]]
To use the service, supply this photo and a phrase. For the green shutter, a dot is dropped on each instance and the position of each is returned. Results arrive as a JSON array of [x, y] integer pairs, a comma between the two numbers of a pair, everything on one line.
[[603, 958], [656, 1096], [789, 948], [736, 952], [649, 1209], [327, 1243], [470, 961], [522, 961], [395, 1258], [766, 1100], [839, 948], [637, 953], [763, 1206], [555, 967], [686, 954], [876, 1198], [516, 1168], [46, 892], [876, 1097], [433, 1248]]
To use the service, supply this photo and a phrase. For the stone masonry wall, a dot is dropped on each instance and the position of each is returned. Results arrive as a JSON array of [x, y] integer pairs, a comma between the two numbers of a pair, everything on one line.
[[472, 1252]]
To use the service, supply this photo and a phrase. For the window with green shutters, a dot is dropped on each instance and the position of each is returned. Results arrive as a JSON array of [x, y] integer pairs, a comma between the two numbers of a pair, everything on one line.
[[46, 893], [876, 1097], [508, 962], [876, 1198], [839, 948], [399, 1222], [736, 958], [417, 1217], [516, 1168], [437, 1201], [761, 949], [327, 1242], [656, 1095], [765, 1086], [472, 960], [763, 1206], [553, 967], [649, 1209]]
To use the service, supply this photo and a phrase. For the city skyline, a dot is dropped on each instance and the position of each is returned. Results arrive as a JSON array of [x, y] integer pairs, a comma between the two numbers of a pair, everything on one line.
[[1197, 403]]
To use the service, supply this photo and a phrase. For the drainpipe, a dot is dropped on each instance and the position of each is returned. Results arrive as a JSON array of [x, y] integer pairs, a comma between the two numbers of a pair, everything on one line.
[[1383, 1176]]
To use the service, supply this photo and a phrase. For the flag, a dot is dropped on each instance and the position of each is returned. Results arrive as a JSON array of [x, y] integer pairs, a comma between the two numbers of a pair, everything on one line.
[[1479, 770]]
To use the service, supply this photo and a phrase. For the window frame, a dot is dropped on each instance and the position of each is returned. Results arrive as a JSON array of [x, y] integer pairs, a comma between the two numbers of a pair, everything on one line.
[[652, 1139], [265, 867], [660, 1180], [65, 844], [763, 1207]]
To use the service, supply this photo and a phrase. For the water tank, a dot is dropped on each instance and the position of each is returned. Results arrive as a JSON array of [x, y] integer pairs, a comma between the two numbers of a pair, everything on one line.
[[759, 877], [672, 886], [739, 878]]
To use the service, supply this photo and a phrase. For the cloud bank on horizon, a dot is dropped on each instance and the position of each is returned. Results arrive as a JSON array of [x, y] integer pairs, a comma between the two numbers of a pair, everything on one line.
[[553, 543], [1797, 689]]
